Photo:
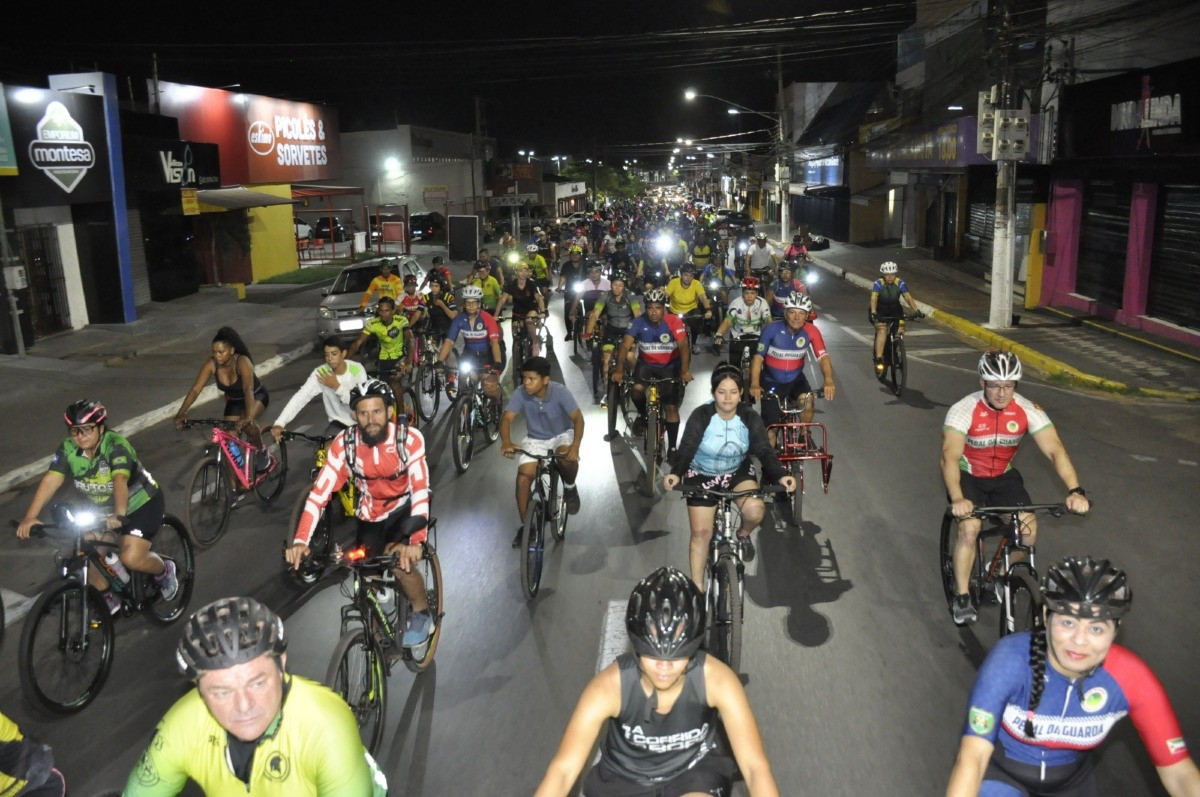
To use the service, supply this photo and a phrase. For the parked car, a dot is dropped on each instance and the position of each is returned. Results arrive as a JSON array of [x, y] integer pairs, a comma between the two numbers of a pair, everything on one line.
[[342, 230], [338, 313], [576, 218], [303, 230], [426, 225]]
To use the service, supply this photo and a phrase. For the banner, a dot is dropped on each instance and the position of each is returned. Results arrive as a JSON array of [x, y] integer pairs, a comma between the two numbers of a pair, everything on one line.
[[8, 155], [432, 194]]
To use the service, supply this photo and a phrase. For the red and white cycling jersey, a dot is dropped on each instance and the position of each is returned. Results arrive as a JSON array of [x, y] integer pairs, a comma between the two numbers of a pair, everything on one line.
[[993, 435], [385, 477]]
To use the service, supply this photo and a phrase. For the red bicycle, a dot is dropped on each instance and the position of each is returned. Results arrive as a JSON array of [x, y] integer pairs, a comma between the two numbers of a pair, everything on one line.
[[797, 442], [225, 474]]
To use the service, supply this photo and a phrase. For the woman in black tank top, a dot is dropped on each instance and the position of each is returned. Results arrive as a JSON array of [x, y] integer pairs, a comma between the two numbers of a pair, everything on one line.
[[663, 700]]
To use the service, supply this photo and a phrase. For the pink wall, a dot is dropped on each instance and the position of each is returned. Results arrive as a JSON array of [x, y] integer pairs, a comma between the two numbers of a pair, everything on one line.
[[1062, 244]]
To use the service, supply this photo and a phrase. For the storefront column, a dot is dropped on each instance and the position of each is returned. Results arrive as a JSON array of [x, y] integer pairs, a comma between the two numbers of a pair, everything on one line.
[[1143, 208], [908, 228], [1062, 243]]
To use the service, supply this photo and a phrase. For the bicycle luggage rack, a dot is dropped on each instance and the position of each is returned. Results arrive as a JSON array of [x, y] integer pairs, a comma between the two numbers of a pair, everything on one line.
[[790, 447]]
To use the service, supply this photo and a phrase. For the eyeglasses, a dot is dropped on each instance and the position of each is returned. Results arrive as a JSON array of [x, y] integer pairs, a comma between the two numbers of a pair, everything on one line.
[[82, 431], [1003, 387]]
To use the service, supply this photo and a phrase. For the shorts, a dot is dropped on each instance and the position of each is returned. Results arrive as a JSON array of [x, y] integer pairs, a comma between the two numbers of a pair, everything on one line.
[[712, 775], [375, 535], [771, 410], [145, 521], [612, 337], [1007, 778], [478, 359], [668, 394], [387, 368], [544, 447], [724, 481], [1007, 489], [236, 407]]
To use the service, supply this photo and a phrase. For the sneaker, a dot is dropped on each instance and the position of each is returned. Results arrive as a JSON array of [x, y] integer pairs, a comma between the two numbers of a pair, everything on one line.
[[111, 601], [517, 539], [609, 437], [168, 582], [879, 366], [963, 611], [695, 348], [747, 549], [639, 425], [604, 400], [420, 627], [262, 461], [572, 496], [597, 399]]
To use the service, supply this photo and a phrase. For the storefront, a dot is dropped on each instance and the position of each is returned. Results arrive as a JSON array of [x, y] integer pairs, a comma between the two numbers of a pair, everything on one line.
[[1124, 223]]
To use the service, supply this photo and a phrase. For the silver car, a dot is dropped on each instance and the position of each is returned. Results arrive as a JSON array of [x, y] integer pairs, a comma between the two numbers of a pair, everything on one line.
[[339, 313]]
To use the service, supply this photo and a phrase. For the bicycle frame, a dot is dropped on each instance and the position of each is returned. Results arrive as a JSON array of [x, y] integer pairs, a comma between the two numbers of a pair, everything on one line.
[[790, 441], [221, 439]]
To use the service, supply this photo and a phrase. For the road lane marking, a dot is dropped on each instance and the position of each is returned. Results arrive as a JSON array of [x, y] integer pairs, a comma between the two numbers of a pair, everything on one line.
[[614, 639]]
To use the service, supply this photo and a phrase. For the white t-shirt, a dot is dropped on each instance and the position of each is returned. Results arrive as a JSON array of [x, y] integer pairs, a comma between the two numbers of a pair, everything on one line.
[[760, 257], [748, 320]]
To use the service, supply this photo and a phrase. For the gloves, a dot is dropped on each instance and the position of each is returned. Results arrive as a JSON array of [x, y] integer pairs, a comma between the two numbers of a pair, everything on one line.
[[874, 318]]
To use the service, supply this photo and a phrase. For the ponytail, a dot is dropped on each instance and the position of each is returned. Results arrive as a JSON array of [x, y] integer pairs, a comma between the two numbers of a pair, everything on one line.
[[1037, 663]]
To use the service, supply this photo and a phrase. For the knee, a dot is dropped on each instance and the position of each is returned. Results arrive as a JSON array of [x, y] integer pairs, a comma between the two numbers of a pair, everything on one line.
[[968, 532], [752, 512], [701, 535]]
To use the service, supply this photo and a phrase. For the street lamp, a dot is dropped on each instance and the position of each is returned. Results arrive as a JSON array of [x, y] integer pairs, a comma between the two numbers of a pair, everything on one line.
[[528, 156]]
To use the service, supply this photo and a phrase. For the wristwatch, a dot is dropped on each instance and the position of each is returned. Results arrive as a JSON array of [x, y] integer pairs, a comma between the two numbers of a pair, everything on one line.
[[1077, 491]]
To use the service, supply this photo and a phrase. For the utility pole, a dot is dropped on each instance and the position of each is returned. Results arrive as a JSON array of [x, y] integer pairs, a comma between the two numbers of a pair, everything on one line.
[[783, 173], [476, 143]]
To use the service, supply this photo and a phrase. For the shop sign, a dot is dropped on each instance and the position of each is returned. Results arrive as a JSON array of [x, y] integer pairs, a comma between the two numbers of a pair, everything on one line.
[[157, 164], [522, 171], [8, 155], [435, 193], [949, 145]]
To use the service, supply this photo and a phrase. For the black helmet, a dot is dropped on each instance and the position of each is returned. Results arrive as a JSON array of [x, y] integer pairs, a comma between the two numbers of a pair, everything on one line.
[[665, 617], [617, 275], [85, 411], [228, 632], [372, 387], [437, 260], [1086, 588]]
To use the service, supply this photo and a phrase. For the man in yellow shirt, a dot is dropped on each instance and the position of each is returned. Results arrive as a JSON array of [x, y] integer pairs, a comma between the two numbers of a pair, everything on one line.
[[685, 294], [539, 269], [482, 277], [386, 284]]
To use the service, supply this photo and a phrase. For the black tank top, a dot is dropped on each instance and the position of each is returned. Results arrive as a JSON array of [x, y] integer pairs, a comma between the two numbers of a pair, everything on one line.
[[645, 746], [235, 392]]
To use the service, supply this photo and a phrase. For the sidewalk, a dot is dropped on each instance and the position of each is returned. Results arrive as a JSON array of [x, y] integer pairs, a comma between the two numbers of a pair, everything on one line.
[[1069, 348]]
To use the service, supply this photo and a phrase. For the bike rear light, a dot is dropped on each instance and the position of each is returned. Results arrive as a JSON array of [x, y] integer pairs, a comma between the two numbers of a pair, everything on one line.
[[357, 553]]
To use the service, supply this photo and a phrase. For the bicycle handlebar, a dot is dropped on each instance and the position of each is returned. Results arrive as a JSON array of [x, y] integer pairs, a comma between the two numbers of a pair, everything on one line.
[[904, 317], [317, 439], [1058, 510], [192, 423], [540, 457], [765, 489]]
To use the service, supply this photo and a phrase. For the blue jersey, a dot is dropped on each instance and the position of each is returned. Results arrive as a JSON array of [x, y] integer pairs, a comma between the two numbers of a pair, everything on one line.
[[783, 351], [1067, 722], [780, 291], [478, 334], [658, 344]]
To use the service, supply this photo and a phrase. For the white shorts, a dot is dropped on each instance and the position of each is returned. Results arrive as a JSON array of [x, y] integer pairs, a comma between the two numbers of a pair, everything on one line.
[[543, 447]]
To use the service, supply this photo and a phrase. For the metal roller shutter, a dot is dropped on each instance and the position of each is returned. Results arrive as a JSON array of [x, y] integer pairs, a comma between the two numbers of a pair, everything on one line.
[[1175, 270], [137, 259], [979, 237], [1103, 241]]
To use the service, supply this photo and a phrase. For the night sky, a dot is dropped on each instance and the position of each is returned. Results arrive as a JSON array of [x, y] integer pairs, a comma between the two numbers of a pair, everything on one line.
[[559, 78]]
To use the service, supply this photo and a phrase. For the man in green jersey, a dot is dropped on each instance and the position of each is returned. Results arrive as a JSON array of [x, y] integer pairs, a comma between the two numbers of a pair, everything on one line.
[[394, 336], [250, 727]]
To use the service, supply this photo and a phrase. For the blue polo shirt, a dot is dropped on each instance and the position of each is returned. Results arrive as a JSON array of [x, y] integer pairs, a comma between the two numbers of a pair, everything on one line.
[[545, 420]]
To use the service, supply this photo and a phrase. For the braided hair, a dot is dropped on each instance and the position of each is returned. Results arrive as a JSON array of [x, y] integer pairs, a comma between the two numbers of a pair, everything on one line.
[[1037, 663]]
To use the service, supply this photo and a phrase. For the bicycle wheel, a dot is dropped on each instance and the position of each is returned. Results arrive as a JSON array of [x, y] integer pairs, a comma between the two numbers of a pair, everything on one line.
[[409, 407], [171, 542], [270, 486], [533, 546], [558, 505], [208, 503], [896, 370], [62, 663], [320, 544], [464, 435], [578, 347], [614, 404], [726, 624], [1023, 603], [429, 396], [491, 419], [430, 568], [652, 446], [949, 536], [356, 672]]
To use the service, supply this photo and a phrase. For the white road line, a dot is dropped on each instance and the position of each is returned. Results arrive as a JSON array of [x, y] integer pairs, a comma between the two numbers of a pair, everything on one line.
[[1144, 458], [614, 640], [16, 605], [1188, 462]]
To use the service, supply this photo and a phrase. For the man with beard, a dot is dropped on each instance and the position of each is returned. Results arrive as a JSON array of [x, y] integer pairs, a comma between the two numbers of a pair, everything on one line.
[[386, 459]]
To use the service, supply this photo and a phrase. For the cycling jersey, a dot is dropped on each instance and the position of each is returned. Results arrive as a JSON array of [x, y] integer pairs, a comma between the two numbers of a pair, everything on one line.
[[618, 314], [659, 344], [683, 299], [780, 291], [795, 252], [491, 290], [888, 296], [724, 276], [622, 260], [992, 435], [748, 319], [410, 303], [387, 477], [390, 286], [1072, 716], [524, 298], [783, 351], [701, 255], [94, 477], [313, 748], [390, 336], [478, 334], [537, 264], [438, 318]]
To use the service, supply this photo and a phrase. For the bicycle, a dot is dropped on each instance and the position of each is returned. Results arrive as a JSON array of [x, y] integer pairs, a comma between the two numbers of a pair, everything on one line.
[[429, 381], [547, 508], [895, 359], [1014, 585], [472, 410], [795, 444], [407, 403], [523, 345], [361, 664], [323, 551], [210, 492], [67, 642], [747, 344], [726, 589], [653, 440]]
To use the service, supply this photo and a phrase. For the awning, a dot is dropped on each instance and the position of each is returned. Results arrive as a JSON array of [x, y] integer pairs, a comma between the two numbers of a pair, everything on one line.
[[234, 198], [865, 197], [309, 190]]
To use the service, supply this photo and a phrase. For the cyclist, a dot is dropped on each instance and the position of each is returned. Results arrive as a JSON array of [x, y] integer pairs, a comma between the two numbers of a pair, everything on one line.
[[386, 284], [437, 271], [619, 308], [662, 349], [391, 331], [495, 267], [333, 382], [979, 439], [663, 700], [886, 293], [715, 452], [779, 290], [554, 422], [590, 289], [104, 467], [761, 260], [538, 268], [386, 459], [778, 364], [1009, 747], [26, 765], [744, 320], [686, 295], [482, 341], [232, 369], [482, 278], [570, 273], [701, 252], [442, 308], [621, 259], [249, 726], [522, 292], [797, 250], [411, 303], [674, 252]]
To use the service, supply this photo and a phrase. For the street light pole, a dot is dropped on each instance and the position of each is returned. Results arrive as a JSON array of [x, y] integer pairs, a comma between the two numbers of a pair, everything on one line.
[[784, 171]]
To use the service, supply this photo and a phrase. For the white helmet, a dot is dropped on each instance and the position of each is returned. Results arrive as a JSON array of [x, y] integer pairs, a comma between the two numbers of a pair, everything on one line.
[[798, 301], [999, 366], [532, 249], [888, 268], [472, 293], [537, 229]]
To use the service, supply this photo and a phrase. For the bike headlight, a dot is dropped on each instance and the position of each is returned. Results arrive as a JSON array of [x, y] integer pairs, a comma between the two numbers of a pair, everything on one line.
[[83, 519], [466, 368], [811, 277], [743, 246], [513, 257], [663, 243], [713, 285], [326, 313]]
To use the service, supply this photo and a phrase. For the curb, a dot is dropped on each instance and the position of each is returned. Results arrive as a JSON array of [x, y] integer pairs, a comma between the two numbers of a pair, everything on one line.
[[18, 476]]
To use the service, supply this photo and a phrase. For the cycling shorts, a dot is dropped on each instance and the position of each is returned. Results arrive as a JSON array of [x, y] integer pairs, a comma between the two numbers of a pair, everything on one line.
[[145, 521], [1007, 778], [723, 481], [375, 535], [770, 410], [612, 337], [236, 408], [1007, 489], [479, 360], [712, 774], [668, 394]]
